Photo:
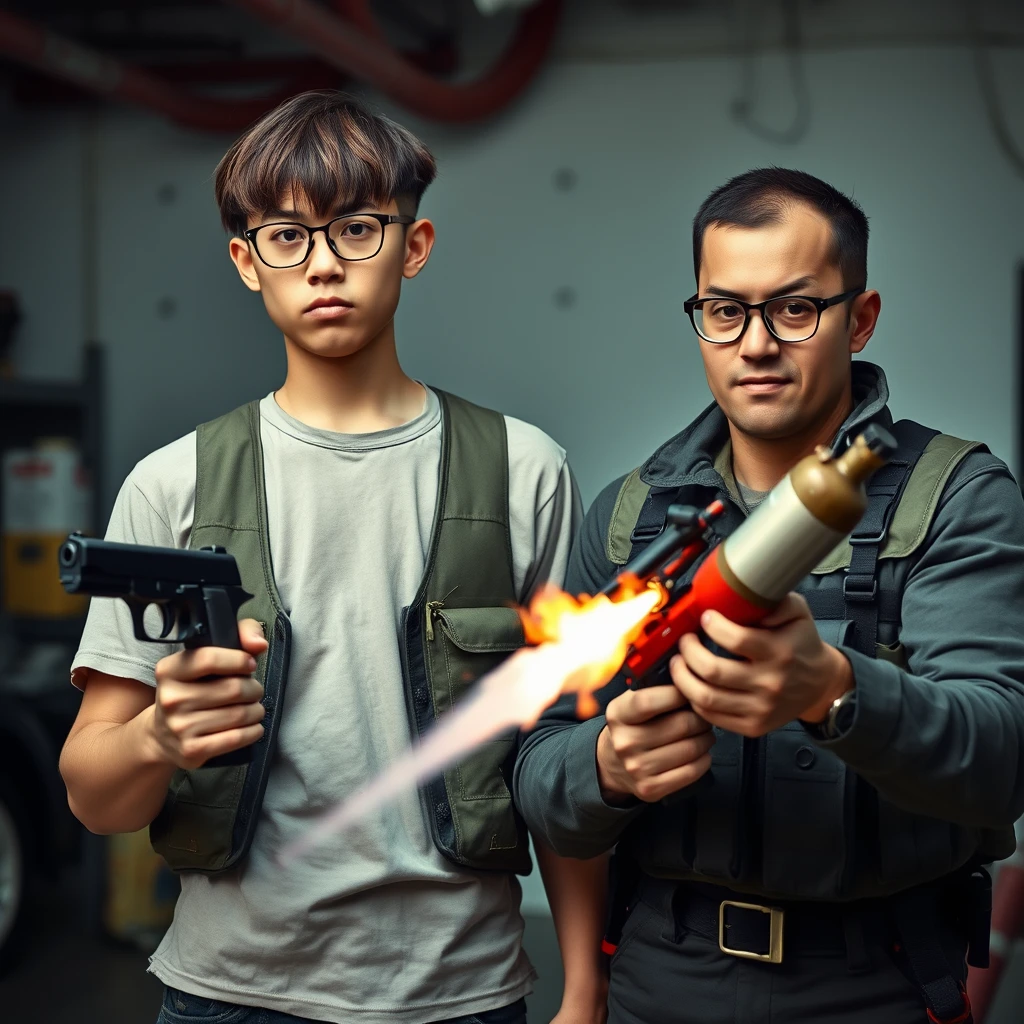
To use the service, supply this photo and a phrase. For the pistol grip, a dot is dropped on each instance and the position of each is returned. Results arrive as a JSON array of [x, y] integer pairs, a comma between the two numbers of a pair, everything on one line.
[[220, 629]]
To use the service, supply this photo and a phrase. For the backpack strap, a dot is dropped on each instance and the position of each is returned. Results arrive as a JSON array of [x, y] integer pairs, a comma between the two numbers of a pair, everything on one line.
[[863, 602]]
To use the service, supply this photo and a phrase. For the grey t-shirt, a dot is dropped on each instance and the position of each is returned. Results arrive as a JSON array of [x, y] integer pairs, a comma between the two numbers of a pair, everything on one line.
[[373, 925]]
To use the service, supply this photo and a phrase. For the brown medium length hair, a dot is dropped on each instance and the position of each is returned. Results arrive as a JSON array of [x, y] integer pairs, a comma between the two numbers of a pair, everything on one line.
[[326, 147]]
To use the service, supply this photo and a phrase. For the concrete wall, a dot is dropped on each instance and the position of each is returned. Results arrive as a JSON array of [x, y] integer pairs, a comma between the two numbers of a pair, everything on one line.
[[563, 257]]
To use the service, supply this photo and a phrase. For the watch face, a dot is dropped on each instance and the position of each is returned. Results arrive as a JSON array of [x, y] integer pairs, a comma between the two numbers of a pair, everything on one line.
[[845, 713]]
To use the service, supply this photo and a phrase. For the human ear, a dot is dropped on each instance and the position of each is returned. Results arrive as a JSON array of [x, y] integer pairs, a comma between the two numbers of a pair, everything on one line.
[[241, 256], [419, 240], [864, 312]]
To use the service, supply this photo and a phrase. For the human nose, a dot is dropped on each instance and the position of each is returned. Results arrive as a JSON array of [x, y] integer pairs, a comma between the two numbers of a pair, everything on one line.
[[323, 263], [757, 341]]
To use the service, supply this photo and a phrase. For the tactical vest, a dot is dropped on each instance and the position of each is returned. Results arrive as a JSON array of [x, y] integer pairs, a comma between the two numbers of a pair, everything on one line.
[[774, 816], [461, 624]]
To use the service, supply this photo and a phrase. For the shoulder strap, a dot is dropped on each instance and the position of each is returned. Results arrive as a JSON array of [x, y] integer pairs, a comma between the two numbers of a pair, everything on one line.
[[884, 490], [473, 490], [231, 494], [631, 500]]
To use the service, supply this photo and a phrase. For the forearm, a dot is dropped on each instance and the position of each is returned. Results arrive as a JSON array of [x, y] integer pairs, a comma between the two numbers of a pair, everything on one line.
[[577, 894], [947, 749], [557, 790], [945, 737], [115, 777]]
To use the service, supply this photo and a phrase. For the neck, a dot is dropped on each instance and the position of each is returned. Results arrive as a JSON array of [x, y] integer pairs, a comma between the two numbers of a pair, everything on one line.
[[760, 463], [355, 394]]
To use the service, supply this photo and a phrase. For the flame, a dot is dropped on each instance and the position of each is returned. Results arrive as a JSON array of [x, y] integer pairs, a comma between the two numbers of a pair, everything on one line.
[[595, 631], [580, 643]]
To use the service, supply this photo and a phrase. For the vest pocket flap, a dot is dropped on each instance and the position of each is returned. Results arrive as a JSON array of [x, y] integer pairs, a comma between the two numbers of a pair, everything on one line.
[[483, 630], [834, 631]]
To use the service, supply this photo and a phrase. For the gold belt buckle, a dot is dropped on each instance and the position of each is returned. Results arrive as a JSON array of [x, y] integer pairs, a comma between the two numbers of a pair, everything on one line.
[[774, 954]]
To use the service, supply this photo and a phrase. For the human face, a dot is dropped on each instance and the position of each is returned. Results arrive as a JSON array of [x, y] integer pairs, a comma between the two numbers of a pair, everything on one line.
[[780, 390], [328, 306]]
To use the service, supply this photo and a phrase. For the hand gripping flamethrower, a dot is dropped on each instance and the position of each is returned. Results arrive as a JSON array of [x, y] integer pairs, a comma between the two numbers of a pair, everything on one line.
[[745, 577]]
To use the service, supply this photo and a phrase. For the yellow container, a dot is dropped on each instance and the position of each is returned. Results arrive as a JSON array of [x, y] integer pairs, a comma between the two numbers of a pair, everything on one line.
[[141, 890], [46, 496]]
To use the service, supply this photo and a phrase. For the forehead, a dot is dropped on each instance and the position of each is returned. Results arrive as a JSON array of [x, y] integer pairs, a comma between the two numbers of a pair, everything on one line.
[[295, 202], [800, 244]]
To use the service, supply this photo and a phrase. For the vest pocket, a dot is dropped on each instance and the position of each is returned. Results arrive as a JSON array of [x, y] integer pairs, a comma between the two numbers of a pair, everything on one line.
[[474, 641], [467, 644], [805, 814], [913, 847], [715, 815]]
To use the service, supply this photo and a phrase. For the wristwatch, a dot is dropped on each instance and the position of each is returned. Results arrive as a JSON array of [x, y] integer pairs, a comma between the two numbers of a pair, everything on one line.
[[839, 717]]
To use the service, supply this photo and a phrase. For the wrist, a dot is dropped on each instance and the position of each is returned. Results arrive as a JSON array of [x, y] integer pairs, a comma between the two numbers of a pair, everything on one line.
[[839, 673], [605, 755], [585, 990], [150, 751]]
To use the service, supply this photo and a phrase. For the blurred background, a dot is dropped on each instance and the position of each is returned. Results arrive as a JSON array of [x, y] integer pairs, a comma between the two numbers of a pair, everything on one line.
[[575, 141]]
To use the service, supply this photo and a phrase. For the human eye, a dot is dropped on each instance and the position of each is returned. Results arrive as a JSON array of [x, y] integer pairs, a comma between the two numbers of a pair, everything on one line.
[[360, 229], [794, 310], [286, 234], [723, 310]]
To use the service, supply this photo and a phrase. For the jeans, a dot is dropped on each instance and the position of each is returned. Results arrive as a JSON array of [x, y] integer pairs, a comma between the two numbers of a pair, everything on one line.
[[182, 1008]]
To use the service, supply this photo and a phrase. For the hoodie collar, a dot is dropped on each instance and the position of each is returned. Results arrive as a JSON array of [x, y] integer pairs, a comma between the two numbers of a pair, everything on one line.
[[689, 457]]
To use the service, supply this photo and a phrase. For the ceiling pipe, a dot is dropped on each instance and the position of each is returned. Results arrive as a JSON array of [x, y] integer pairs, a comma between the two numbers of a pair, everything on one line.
[[32, 45], [368, 57]]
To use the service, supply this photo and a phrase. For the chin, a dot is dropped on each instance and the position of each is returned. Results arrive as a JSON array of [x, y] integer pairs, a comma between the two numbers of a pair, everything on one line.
[[770, 425], [337, 347]]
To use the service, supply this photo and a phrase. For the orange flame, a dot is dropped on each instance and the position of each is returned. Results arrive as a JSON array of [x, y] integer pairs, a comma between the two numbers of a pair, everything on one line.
[[597, 629], [579, 644]]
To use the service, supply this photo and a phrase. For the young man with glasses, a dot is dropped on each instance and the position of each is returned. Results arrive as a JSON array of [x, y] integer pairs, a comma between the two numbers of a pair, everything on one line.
[[802, 817], [385, 529]]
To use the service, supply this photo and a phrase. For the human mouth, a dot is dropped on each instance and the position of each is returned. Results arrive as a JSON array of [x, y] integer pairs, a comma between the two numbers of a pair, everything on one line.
[[762, 385], [331, 308]]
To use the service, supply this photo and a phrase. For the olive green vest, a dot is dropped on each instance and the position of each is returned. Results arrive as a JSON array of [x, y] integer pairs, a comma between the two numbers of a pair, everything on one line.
[[462, 623]]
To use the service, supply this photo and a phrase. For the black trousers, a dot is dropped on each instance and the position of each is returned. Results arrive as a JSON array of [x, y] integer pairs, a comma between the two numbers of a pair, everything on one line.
[[662, 974]]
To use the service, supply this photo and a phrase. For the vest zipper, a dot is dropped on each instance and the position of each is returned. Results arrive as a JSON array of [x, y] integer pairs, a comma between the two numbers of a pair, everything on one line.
[[432, 608]]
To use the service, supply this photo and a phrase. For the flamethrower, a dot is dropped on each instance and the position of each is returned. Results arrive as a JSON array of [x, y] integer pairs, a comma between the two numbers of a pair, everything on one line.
[[746, 576]]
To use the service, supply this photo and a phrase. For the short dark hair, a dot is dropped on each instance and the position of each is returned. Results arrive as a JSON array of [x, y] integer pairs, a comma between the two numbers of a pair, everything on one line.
[[328, 148], [760, 197]]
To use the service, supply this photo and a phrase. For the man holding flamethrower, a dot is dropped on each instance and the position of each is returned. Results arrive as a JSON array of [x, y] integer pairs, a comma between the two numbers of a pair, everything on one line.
[[801, 793]]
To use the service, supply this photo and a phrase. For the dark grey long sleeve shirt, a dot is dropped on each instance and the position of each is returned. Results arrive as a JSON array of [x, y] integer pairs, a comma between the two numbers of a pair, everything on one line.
[[940, 742]]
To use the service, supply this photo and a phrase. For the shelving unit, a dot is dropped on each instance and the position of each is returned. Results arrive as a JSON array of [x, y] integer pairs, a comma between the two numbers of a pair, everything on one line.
[[32, 409]]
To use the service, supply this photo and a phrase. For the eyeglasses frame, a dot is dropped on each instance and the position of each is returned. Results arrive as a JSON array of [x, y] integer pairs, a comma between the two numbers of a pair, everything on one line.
[[384, 220], [820, 304]]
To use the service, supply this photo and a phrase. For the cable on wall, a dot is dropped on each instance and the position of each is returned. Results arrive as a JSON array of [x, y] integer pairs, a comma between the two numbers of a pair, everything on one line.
[[742, 107], [989, 89]]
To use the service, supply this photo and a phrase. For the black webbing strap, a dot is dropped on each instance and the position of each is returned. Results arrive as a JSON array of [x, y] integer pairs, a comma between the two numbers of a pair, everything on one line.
[[884, 489], [652, 518], [917, 921]]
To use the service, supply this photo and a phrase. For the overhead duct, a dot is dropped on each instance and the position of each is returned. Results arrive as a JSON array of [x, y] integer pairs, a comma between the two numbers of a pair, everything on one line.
[[36, 47], [369, 58], [349, 40]]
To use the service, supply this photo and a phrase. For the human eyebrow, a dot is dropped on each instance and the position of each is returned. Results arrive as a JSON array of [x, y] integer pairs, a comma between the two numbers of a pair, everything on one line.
[[788, 289], [285, 215]]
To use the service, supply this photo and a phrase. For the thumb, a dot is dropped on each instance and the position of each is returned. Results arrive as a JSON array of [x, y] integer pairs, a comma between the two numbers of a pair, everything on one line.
[[250, 634]]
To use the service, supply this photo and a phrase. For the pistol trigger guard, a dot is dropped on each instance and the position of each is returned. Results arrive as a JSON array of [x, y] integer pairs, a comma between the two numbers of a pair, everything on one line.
[[170, 620], [138, 611]]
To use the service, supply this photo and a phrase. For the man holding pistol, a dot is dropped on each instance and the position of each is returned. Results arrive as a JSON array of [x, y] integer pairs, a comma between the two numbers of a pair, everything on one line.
[[801, 819]]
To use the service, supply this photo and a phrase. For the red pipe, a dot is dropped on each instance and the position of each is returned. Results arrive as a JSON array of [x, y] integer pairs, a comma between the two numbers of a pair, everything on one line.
[[359, 14], [370, 59], [30, 44]]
